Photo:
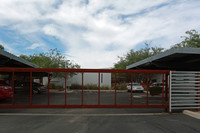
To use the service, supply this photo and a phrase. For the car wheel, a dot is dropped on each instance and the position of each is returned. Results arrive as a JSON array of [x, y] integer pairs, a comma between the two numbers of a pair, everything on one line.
[[35, 91]]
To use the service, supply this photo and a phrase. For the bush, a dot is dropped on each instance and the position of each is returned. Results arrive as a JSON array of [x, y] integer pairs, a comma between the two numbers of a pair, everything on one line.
[[76, 87], [52, 86], [156, 90], [120, 86], [105, 88], [90, 87]]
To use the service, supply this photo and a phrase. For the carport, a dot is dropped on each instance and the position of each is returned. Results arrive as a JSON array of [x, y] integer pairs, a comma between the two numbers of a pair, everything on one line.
[[184, 77]]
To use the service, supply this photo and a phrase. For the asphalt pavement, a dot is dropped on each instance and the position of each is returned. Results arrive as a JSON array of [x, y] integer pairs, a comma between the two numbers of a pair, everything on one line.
[[95, 121]]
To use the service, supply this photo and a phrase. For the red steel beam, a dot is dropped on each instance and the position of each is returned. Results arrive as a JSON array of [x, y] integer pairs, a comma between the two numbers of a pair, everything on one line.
[[81, 70], [30, 88], [82, 89], [48, 88], [163, 89], [115, 88], [99, 90], [65, 88], [81, 106], [131, 88], [13, 87], [147, 88]]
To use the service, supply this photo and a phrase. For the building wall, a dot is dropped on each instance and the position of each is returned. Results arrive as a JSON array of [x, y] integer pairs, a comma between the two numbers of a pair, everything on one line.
[[88, 78]]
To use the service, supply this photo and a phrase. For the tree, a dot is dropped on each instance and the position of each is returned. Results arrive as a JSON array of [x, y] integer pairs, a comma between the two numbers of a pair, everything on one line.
[[1, 47], [135, 56], [50, 59], [192, 40]]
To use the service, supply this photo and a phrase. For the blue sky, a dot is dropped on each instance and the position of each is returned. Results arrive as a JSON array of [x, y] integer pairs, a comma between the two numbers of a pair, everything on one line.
[[93, 33]]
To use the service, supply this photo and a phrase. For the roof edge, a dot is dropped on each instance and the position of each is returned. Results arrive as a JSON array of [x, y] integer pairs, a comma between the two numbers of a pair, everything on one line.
[[14, 57], [164, 54]]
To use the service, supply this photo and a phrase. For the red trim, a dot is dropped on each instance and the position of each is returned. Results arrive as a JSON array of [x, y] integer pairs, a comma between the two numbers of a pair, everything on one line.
[[131, 88], [48, 88], [115, 88], [81, 70], [13, 87], [82, 89], [65, 88], [163, 89], [147, 88], [99, 90], [31, 88], [48, 70], [82, 106]]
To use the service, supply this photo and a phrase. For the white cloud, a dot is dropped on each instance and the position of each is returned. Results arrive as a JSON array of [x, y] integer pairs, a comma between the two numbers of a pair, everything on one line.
[[36, 45], [86, 31]]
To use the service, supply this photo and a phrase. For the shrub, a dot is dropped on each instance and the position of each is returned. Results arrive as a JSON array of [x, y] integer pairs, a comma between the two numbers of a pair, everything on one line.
[[105, 88], [156, 90], [76, 87], [52, 86], [90, 87], [120, 86]]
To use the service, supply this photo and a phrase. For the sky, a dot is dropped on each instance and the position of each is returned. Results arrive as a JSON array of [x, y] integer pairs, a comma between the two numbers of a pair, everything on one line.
[[93, 33]]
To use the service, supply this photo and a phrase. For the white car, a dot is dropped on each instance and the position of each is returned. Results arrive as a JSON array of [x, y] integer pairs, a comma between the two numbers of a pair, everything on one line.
[[135, 87]]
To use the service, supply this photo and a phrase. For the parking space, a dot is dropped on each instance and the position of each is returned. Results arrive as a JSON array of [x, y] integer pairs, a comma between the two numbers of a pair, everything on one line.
[[90, 97], [95, 121]]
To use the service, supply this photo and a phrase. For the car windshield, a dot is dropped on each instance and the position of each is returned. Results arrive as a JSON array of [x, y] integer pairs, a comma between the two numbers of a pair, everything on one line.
[[135, 84], [3, 82]]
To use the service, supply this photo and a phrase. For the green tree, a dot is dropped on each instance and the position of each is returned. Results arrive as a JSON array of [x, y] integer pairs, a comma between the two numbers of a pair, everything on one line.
[[191, 40], [50, 59], [135, 56], [1, 47]]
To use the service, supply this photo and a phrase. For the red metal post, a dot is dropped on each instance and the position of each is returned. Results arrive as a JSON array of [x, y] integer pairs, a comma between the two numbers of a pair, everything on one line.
[[99, 90], [163, 89], [30, 88], [82, 89], [131, 88], [13, 87], [147, 88], [198, 92], [65, 88], [48, 88], [115, 88], [166, 88]]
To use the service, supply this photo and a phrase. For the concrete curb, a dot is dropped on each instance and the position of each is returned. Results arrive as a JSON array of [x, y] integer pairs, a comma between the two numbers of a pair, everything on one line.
[[192, 114]]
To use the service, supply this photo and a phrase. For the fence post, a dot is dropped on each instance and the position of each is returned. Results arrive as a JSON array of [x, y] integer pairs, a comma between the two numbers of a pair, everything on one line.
[[13, 87], [31, 88], [115, 88], [147, 88], [131, 88], [65, 88], [99, 90]]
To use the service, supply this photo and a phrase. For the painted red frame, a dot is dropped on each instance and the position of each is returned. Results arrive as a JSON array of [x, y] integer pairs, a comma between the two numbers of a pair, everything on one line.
[[115, 71]]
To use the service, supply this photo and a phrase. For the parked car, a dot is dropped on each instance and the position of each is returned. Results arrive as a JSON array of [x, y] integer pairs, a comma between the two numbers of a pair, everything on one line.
[[5, 90], [38, 88], [25, 86], [135, 87]]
